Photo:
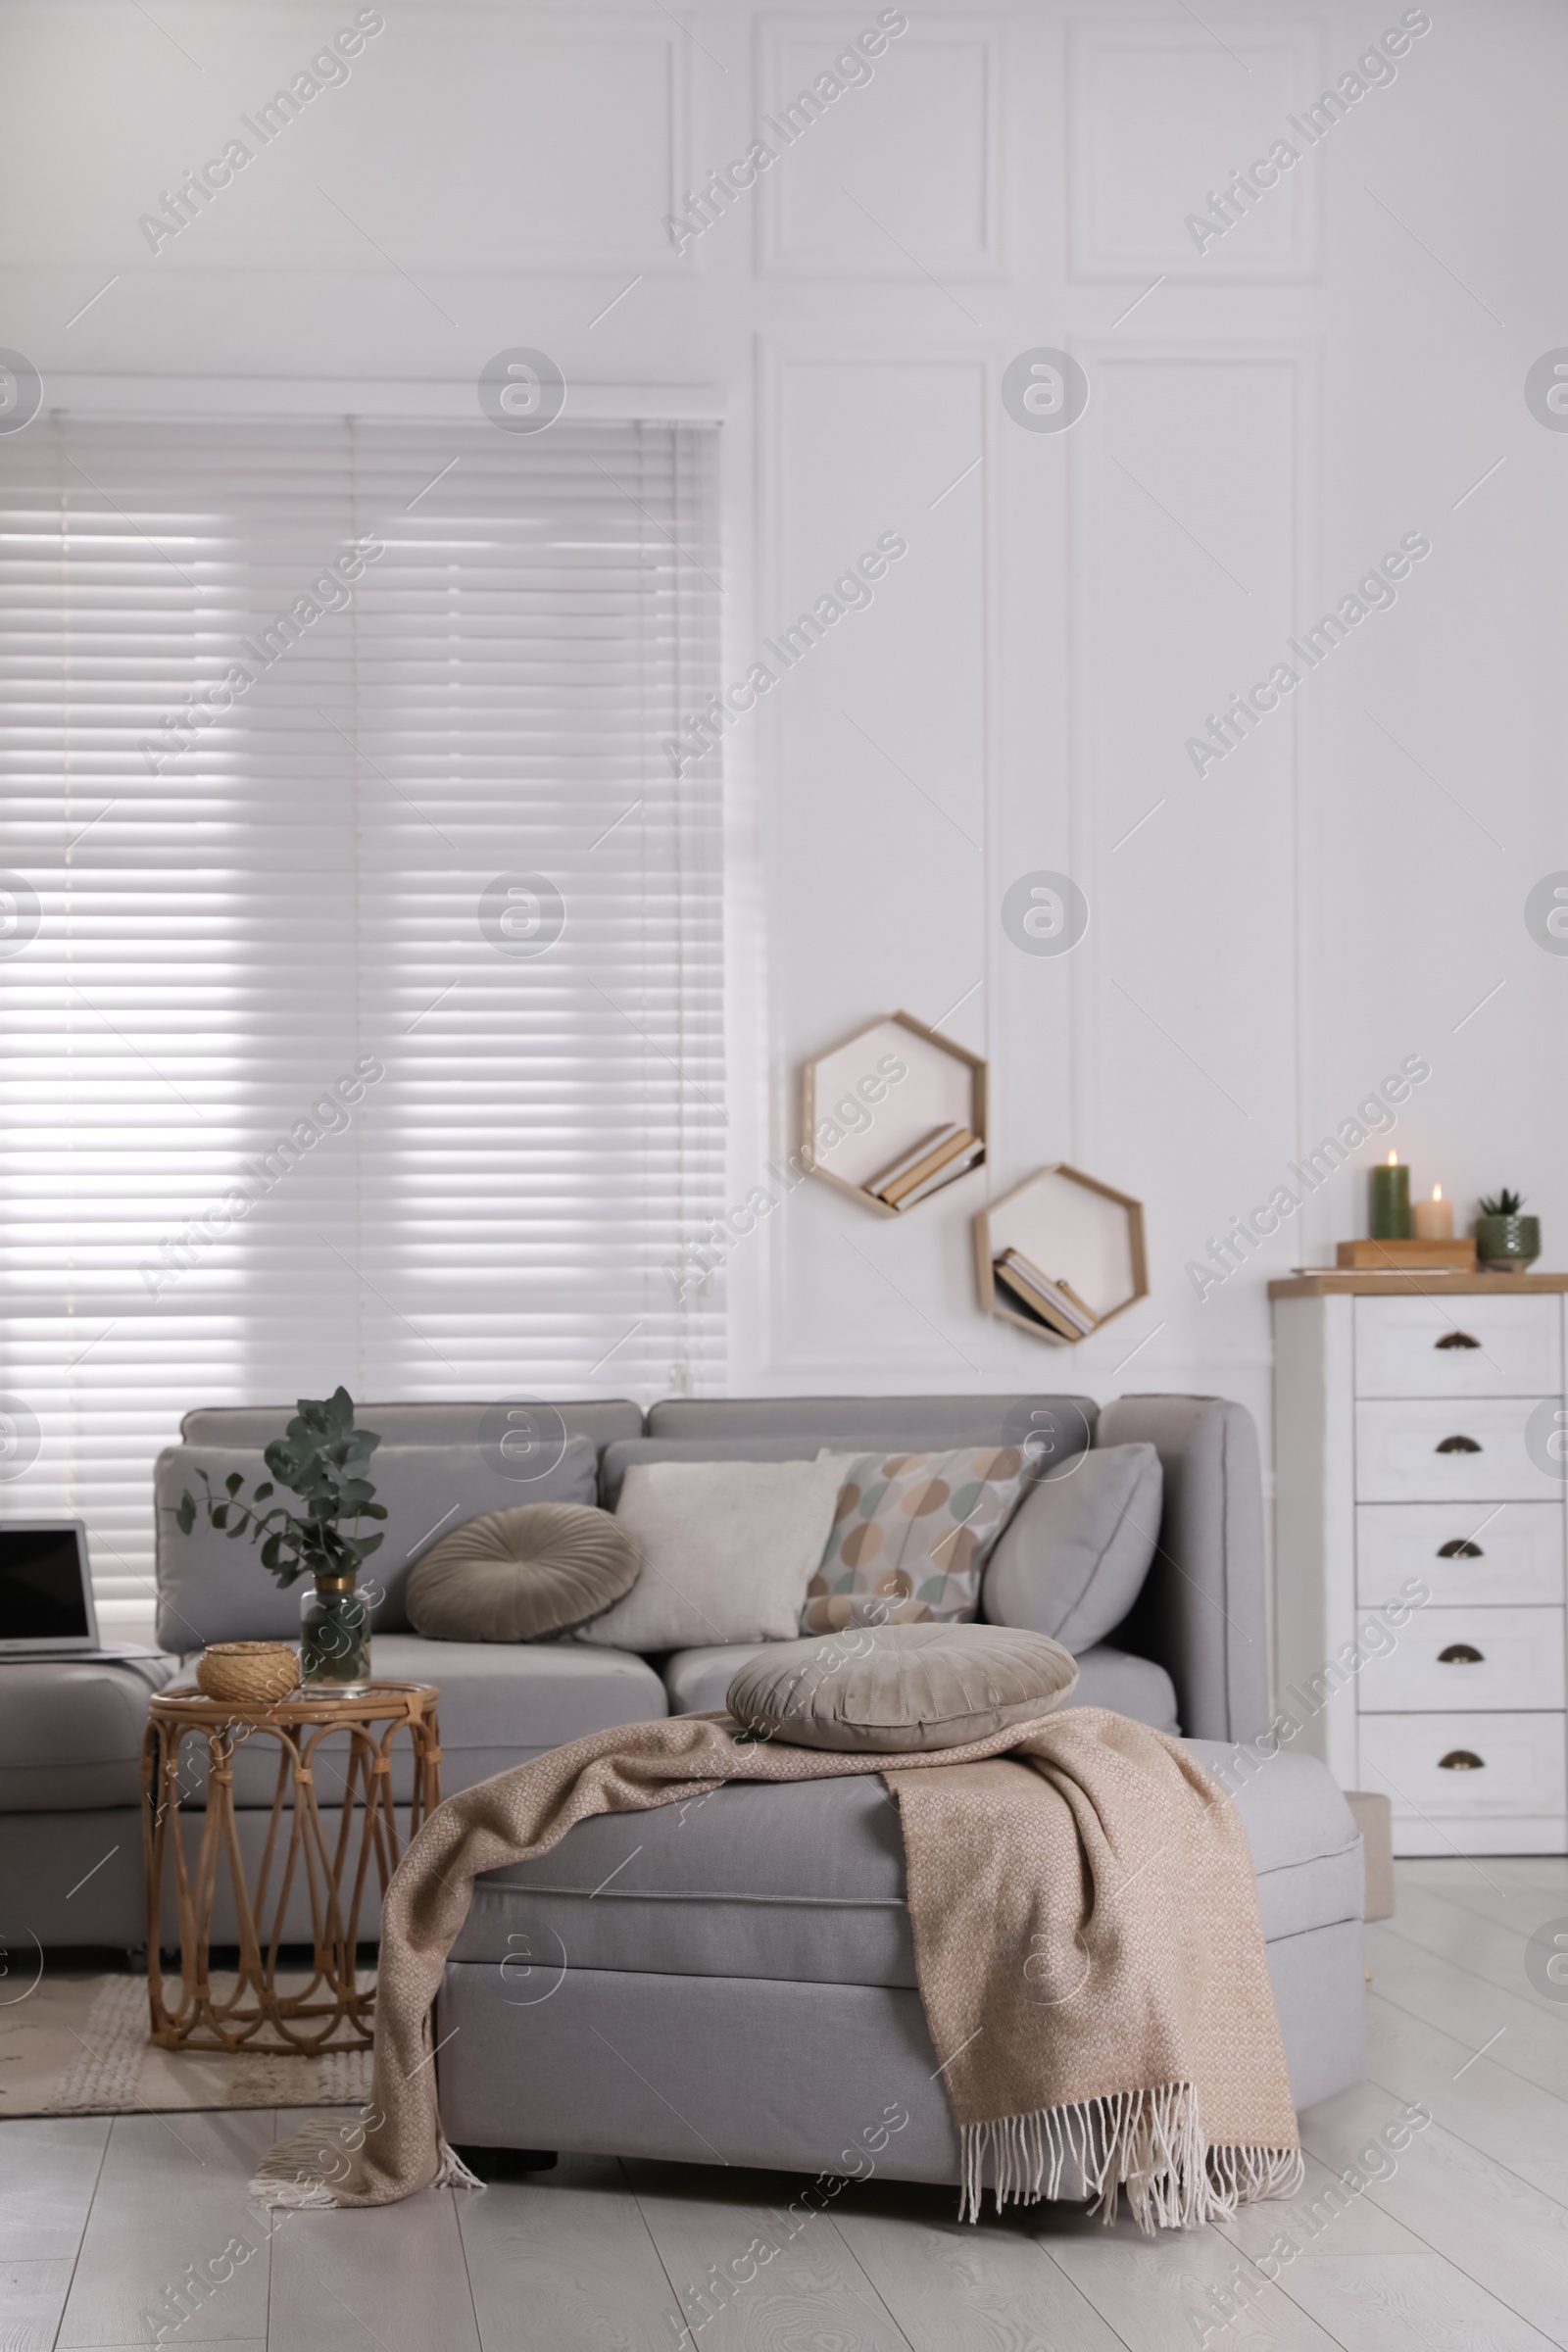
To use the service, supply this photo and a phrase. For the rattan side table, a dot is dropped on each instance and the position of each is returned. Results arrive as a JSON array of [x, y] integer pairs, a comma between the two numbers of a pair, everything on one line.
[[333, 2007]]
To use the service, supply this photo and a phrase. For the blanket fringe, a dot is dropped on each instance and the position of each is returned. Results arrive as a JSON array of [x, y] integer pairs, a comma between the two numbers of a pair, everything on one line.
[[1149, 2142], [295, 2170], [451, 2171]]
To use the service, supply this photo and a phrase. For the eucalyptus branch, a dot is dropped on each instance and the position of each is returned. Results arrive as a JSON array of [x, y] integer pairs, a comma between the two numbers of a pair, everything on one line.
[[322, 1457]]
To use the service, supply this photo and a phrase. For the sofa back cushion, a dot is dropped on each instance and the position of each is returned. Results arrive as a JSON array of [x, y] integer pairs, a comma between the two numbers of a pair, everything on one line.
[[627, 1453], [1071, 1561], [524, 1434], [1053, 1426], [1202, 1612], [211, 1589]]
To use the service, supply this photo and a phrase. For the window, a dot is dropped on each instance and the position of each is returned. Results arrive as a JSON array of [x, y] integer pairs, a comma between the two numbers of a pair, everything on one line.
[[359, 951]]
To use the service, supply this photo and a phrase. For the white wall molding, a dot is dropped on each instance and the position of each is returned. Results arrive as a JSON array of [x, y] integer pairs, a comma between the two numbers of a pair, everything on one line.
[[1160, 116], [938, 400], [1226, 629], [342, 396], [811, 225], [460, 139]]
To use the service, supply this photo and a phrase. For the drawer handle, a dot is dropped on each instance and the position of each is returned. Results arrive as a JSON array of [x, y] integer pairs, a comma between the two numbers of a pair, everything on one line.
[[1459, 1548], [1456, 1339], [1460, 1759], [1458, 1445], [1459, 1653]]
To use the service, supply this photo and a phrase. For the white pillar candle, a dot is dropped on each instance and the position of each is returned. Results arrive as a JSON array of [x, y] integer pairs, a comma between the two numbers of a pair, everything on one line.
[[1433, 1218]]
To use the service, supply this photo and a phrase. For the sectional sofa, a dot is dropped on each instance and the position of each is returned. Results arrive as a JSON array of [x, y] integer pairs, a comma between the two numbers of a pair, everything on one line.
[[739, 1934]]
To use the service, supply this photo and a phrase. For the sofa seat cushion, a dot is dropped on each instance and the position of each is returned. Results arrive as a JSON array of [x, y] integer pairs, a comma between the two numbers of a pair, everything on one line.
[[1127, 1686], [698, 1680], [500, 1703], [508, 1700], [1306, 1849], [71, 1733], [805, 1881], [738, 1883]]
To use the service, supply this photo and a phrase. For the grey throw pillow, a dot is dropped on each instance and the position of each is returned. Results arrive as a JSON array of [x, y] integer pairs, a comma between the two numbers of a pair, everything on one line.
[[1073, 1557], [518, 1575], [899, 1689]]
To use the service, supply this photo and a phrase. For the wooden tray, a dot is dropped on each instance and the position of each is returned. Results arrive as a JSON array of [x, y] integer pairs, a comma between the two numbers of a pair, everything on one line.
[[1391, 1258]]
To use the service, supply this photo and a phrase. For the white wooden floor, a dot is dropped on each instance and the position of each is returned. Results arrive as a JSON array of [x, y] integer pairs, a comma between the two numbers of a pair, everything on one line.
[[1464, 2248]]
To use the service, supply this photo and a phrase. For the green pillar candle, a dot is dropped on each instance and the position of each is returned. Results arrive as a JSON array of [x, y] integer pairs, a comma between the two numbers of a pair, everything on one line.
[[1390, 1202]]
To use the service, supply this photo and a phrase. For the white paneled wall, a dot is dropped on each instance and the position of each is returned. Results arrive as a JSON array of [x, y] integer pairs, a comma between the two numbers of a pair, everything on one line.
[[1270, 410]]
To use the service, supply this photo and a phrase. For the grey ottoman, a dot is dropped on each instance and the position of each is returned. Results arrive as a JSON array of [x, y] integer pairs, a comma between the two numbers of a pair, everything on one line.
[[71, 1861], [733, 1980]]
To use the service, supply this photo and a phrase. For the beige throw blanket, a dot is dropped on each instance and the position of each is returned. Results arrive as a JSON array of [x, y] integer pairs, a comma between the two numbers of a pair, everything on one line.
[[1087, 1945]]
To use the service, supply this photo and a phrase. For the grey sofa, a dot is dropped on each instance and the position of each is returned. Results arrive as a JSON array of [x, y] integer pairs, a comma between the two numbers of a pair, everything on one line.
[[743, 1988], [1191, 1655], [733, 1980]]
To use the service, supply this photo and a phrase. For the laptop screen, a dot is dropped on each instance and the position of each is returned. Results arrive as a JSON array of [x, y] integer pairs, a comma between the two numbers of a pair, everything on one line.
[[42, 1586]]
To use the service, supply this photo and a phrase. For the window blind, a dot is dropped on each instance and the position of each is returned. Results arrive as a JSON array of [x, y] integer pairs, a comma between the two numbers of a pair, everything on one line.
[[360, 952]]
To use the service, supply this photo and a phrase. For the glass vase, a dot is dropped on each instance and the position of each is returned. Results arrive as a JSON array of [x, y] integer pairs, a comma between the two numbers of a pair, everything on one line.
[[335, 1637]]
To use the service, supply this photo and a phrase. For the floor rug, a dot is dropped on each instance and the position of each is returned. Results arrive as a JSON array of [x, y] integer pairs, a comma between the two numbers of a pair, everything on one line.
[[77, 2044]]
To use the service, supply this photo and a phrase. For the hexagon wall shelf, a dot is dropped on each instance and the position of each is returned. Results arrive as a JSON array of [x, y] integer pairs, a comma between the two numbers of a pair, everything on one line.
[[945, 1085], [1076, 1230]]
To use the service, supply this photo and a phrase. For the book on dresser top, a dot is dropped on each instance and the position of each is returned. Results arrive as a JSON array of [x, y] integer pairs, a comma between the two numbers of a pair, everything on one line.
[[1054, 1304], [943, 1154]]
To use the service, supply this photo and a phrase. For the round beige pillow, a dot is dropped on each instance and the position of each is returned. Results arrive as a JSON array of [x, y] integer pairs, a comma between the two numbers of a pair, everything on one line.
[[518, 1575], [900, 1688]]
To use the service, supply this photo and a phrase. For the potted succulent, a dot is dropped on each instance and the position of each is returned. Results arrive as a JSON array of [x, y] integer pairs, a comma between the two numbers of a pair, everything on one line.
[[1505, 1239], [322, 1457]]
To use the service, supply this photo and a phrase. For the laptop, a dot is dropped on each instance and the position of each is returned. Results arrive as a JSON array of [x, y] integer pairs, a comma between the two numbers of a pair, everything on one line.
[[46, 1608]]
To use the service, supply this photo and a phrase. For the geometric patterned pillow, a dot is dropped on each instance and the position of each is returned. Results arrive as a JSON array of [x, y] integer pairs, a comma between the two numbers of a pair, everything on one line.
[[910, 1536]]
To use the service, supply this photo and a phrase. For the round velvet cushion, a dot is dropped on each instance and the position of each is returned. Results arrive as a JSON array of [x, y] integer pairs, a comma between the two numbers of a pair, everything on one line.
[[900, 1688], [518, 1575]]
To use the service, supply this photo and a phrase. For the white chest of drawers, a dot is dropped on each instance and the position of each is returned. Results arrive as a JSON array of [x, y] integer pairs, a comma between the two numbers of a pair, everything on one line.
[[1411, 1416]]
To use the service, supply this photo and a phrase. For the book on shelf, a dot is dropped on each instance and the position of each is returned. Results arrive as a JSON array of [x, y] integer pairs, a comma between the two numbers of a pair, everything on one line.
[[912, 1171], [1082, 1305], [1042, 1306], [951, 1169], [946, 1146], [912, 1157], [1031, 1310], [1059, 1292], [1054, 1302]]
